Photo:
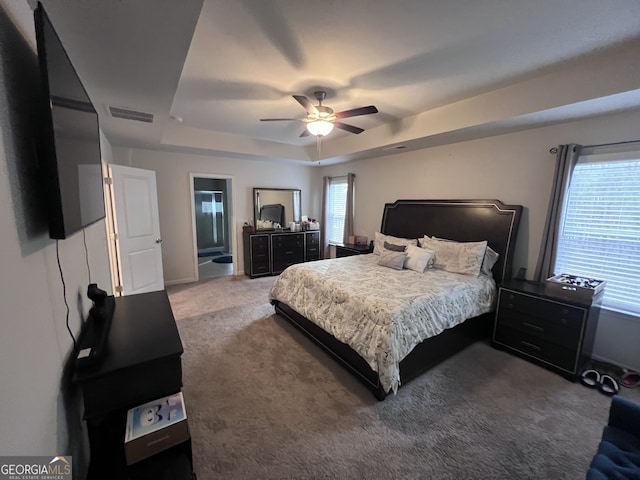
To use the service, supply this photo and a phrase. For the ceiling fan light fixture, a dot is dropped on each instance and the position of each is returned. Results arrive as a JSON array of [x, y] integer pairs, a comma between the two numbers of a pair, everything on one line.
[[320, 128]]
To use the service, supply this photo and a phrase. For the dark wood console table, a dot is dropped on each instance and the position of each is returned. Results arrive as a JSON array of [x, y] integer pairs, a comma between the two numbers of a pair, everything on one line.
[[142, 363]]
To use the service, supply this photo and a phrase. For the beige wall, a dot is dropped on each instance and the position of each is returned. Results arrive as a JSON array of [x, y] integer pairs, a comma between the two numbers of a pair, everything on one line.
[[37, 415], [515, 168], [174, 199]]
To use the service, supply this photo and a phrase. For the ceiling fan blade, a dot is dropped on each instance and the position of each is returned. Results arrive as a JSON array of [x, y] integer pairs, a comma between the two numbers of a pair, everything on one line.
[[348, 128], [308, 106], [280, 119], [305, 133], [357, 111]]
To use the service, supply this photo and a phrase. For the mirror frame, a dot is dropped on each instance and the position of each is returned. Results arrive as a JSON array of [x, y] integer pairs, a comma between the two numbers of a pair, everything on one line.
[[292, 214]]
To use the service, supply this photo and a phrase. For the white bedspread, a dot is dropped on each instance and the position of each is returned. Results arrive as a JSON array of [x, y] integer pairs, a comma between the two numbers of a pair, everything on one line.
[[380, 312]]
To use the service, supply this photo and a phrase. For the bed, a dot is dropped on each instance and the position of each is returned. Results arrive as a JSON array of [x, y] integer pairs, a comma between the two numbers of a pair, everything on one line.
[[411, 346]]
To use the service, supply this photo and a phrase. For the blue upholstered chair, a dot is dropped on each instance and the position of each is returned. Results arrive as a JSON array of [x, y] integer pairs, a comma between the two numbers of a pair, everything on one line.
[[618, 455]]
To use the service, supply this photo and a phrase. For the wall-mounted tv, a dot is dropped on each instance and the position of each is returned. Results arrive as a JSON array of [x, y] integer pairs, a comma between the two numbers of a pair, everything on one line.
[[68, 140]]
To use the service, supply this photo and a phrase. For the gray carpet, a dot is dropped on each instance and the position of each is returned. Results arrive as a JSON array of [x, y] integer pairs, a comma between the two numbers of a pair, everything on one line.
[[265, 403]]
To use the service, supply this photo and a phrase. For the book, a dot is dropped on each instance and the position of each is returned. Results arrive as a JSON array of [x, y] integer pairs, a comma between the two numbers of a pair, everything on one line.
[[155, 415]]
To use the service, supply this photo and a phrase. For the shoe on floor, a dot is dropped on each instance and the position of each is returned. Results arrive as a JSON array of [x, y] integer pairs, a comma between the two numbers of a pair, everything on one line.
[[608, 385], [590, 378], [630, 379]]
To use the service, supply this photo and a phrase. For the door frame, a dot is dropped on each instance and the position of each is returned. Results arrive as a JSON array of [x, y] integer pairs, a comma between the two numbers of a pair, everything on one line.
[[112, 243], [232, 222]]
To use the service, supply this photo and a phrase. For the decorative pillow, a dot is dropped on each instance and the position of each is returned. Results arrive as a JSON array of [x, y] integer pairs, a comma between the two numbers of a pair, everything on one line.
[[417, 258], [456, 257], [394, 247], [379, 239], [391, 259], [489, 260]]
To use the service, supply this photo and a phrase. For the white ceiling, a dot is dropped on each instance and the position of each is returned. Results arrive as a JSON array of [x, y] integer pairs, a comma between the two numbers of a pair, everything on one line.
[[436, 70]]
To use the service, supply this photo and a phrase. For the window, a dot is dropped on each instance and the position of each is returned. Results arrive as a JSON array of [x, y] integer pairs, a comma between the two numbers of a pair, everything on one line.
[[336, 209], [600, 227]]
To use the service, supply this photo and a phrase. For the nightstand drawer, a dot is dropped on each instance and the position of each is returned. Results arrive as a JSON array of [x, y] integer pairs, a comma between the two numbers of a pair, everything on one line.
[[535, 347], [548, 328], [566, 315]]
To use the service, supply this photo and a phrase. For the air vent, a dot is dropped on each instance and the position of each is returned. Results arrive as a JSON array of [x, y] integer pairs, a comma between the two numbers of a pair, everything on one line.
[[131, 114], [395, 147]]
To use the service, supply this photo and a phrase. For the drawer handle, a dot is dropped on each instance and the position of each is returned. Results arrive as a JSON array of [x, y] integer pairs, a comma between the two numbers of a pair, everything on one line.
[[289, 252], [509, 305], [530, 345], [533, 327]]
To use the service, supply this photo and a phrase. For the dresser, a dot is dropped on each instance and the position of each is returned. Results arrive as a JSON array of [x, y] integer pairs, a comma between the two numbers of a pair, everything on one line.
[[553, 332], [270, 252]]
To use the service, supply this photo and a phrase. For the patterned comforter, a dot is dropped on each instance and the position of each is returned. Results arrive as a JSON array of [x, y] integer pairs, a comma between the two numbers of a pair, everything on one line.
[[380, 312]]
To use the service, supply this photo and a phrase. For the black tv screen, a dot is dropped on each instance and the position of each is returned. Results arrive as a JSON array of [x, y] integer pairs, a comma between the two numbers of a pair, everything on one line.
[[69, 139]]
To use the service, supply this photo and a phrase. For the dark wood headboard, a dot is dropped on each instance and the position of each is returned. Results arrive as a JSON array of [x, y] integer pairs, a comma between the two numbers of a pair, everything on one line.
[[462, 220]]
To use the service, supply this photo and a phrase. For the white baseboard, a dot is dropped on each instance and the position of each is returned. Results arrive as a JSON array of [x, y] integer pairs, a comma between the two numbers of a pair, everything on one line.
[[179, 281]]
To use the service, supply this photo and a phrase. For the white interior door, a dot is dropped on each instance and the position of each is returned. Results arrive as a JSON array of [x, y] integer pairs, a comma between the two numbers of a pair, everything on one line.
[[137, 229]]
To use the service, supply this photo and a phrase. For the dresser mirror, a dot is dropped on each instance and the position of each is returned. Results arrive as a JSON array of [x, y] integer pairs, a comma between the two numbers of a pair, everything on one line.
[[276, 207]]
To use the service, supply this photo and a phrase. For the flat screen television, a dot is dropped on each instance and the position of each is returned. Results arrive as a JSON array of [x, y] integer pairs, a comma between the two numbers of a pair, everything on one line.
[[68, 139]]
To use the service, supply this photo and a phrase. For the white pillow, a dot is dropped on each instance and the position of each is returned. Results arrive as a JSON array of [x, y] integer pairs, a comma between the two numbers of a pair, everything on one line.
[[417, 258], [392, 259], [456, 257], [379, 239], [489, 260]]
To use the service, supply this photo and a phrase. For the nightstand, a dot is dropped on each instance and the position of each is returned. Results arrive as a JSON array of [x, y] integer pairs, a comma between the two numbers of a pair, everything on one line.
[[348, 249], [553, 332]]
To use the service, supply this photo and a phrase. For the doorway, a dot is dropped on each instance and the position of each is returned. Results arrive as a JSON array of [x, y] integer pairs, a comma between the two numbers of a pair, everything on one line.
[[213, 226]]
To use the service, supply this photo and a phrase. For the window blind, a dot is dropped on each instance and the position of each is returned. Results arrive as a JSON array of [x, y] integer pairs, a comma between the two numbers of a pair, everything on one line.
[[600, 227], [336, 209]]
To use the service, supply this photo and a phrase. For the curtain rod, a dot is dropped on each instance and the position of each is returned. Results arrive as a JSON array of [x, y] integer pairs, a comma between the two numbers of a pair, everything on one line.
[[554, 150], [610, 144]]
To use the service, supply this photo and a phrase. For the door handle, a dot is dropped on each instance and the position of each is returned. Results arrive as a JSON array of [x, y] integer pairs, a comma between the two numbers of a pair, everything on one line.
[[158, 240]]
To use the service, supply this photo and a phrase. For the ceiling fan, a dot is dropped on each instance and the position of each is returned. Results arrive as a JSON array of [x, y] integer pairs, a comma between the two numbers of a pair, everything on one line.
[[320, 119]]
